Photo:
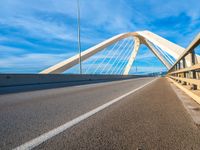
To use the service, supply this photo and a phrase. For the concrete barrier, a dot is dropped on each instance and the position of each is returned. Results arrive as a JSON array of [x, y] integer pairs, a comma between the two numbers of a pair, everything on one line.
[[9, 80]]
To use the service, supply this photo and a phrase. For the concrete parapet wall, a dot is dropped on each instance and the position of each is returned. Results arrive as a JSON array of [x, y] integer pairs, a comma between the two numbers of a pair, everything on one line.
[[7, 80]]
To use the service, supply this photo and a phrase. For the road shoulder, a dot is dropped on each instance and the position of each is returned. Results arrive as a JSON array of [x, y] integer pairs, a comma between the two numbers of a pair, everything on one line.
[[192, 107]]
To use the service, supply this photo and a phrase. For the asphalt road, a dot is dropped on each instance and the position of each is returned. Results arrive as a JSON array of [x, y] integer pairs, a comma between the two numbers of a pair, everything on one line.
[[152, 118], [27, 115]]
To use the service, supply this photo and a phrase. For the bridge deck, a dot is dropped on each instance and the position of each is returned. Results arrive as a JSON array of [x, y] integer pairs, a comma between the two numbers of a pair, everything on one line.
[[151, 118]]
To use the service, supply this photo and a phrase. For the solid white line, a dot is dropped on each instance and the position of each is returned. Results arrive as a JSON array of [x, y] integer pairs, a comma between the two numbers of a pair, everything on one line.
[[44, 137]]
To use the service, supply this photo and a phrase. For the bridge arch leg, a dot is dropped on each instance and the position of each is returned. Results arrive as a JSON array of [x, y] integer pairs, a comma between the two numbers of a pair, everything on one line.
[[133, 55]]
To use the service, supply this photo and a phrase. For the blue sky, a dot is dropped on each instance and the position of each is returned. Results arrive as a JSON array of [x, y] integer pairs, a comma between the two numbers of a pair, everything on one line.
[[36, 34]]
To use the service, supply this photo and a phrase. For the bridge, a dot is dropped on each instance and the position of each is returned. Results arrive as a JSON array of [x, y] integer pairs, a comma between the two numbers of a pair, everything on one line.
[[106, 107]]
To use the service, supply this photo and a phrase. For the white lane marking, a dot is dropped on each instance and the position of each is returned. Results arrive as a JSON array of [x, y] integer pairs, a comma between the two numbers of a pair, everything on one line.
[[44, 137]]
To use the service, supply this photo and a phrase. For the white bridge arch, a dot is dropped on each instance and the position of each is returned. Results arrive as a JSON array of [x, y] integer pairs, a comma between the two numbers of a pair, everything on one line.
[[141, 37]]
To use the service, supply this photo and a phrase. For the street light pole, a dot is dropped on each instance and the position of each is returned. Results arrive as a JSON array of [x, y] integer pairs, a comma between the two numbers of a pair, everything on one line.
[[79, 35]]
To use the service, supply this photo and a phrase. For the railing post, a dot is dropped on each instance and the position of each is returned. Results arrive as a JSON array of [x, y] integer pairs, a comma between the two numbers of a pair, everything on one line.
[[176, 75], [184, 73], [179, 67], [194, 87]]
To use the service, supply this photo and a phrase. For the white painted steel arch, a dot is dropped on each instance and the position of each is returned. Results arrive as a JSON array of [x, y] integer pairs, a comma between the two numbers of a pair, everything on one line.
[[141, 37]]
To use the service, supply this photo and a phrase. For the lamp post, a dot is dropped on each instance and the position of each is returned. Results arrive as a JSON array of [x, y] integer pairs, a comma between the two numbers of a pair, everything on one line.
[[79, 35]]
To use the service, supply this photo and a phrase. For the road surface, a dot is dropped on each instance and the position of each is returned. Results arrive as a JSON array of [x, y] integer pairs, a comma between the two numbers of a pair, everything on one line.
[[150, 118]]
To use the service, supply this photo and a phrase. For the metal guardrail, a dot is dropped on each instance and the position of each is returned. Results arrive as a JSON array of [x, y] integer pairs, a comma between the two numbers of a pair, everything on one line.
[[187, 73]]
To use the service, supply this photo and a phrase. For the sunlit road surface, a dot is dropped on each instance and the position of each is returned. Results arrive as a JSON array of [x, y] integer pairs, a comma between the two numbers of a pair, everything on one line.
[[150, 116]]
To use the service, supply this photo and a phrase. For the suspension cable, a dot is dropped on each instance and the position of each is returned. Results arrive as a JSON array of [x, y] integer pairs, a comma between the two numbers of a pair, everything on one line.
[[126, 58], [115, 51], [122, 56], [93, 62], [168, 56], [115, 60], [124, 62], [165, 54], [109, 51]]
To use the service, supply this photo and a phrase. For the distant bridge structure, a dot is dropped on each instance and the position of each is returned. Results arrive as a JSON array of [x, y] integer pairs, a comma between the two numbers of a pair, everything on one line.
[[166, 51]]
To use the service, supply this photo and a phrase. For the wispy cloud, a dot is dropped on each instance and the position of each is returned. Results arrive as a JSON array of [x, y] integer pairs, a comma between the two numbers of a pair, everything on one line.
[[29, 63]]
